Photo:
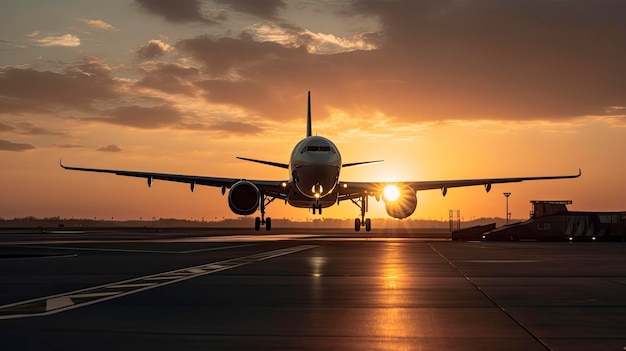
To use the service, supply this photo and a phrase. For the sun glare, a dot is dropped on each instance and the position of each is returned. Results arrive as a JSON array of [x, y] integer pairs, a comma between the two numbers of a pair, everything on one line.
[[391, 193]]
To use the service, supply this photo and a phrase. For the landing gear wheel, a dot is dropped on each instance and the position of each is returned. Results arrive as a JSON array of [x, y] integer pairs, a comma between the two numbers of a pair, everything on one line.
[[368, 224], [319, 208], [257, 224], [357, 224], [268, 224]]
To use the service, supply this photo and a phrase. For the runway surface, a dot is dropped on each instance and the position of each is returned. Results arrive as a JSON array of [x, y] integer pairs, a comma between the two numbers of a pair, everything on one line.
[[303, 291]]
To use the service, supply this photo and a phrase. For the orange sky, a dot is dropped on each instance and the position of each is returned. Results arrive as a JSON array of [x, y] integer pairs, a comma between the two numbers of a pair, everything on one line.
[[438, 89]]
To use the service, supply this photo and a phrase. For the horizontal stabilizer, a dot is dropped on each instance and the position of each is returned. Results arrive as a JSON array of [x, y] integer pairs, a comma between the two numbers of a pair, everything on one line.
[[360, 163], [275, 164]]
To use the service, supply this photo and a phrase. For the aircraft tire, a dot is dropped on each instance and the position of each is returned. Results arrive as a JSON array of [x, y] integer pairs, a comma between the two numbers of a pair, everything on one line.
[[368, 224], [257, 224], [268, 224], [357, 224]]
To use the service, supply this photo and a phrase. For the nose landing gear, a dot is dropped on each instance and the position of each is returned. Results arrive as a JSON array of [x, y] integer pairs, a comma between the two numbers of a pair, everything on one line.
[[317, 206]]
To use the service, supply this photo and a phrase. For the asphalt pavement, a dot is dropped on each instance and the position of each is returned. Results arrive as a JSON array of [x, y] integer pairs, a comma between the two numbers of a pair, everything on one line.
[[308, 292]]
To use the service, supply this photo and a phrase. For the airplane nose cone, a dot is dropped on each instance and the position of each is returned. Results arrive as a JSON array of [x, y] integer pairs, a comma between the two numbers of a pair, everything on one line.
[[316, 181]]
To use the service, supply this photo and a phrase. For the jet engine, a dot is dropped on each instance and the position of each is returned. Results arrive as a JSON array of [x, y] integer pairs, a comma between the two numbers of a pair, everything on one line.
[[404, 205], [243, 198]]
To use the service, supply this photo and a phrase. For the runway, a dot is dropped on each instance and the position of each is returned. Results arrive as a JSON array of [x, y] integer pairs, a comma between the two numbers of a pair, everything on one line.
[[307, 291]]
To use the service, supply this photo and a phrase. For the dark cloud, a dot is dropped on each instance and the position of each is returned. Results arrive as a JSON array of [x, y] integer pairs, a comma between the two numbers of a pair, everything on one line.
[[257, 97], [179, 11], [152, 50], [443, 59], [265, 8], [79, 86], [30, 129], [27, 128], [143, 117], [9, 146], [6, 128], [170, 78], [110, 148], [222, 55], [16, 106], [509, 59]]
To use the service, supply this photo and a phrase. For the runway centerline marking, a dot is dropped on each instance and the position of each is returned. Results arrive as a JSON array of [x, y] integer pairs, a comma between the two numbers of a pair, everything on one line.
[[48, 305]]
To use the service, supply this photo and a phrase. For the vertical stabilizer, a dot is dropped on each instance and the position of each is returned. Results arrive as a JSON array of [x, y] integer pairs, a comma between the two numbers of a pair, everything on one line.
[[308, 116]]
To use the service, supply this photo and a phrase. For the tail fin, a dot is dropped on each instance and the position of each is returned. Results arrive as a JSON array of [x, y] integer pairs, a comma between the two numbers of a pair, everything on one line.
[[308, 116]]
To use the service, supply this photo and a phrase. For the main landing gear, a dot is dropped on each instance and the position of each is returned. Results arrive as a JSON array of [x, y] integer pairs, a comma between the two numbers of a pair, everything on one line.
[[317, 206], [262, 221], [362, 203]]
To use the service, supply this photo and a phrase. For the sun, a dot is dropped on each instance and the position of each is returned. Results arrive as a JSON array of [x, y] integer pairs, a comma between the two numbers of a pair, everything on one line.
[[391, 193]]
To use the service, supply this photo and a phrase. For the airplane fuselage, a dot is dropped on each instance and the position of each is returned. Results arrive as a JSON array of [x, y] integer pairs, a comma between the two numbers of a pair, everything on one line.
[[314, 169]]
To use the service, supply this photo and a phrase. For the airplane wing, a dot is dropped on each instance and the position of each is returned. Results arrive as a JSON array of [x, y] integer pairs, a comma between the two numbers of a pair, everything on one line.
[[271, 187], [351, 190]]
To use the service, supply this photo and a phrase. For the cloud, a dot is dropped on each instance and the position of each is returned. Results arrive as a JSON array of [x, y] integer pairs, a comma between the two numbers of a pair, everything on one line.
[[315, 43], [67, 40], [67, 146], [180, 11], [79, 86], [155, 48], [110, 148], [6, 127], [9, 146], [505, 59], [265, 9], [100, 24], [435, 60], [237, 128], [220, 56], [30, 129], [170, 78], [231, 127], [143, 117]]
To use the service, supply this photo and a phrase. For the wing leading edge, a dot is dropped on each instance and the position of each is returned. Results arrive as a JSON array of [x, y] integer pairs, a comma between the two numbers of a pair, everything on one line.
[[272, 187], [351, 189]]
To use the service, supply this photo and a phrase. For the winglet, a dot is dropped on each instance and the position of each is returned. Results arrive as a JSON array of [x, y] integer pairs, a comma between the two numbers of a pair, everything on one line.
[[308, 116], [61, 163]]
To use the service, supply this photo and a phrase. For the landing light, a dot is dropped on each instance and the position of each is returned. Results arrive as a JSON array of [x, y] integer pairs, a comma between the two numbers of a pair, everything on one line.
[[391, 193]]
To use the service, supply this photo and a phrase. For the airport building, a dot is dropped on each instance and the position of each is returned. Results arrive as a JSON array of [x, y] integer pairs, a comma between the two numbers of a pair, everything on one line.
[[552, 221]]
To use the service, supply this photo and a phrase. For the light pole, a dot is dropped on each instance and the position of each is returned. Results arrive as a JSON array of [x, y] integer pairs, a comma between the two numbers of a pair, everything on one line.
[[507, 207]]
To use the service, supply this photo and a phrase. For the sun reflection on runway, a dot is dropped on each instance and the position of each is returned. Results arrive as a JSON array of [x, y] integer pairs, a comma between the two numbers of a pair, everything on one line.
[[391, 321]]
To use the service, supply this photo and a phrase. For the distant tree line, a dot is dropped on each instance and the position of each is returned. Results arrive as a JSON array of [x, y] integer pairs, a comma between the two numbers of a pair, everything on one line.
[[239, 222]]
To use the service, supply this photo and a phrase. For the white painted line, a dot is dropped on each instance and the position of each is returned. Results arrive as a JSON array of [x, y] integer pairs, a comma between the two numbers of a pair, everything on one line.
[[87, 296], [123, 286], [58, 302], [133, 251], [62, 302]]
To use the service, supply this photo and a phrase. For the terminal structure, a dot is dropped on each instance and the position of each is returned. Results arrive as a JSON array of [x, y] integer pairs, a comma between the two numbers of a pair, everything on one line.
[[552, 221]]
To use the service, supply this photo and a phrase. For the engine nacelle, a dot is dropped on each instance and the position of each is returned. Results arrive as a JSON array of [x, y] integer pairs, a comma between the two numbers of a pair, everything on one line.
[[243, 198], [404, 205]]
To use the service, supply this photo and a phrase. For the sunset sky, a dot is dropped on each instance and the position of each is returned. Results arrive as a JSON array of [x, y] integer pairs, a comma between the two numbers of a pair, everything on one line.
[[439, 89]]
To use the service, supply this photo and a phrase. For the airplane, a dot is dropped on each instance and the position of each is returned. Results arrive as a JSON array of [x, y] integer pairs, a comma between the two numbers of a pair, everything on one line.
[[314, 182]]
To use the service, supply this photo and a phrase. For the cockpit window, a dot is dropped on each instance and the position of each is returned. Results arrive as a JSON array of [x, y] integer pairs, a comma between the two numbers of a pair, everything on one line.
[[316, 148]]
